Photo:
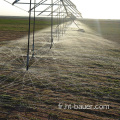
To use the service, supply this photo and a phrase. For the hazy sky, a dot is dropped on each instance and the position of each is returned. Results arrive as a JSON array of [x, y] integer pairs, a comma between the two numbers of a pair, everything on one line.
[[104, 9]]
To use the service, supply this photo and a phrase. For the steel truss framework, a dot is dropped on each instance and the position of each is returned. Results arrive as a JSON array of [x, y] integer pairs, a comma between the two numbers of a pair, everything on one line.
[[62, 10]]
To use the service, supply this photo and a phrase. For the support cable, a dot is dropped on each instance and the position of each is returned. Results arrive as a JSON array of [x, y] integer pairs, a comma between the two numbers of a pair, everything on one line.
[[15, 6]]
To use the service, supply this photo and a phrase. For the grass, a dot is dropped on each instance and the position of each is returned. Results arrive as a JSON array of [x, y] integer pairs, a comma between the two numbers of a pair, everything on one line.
[[22, 24], [11, 28], [108, 29]]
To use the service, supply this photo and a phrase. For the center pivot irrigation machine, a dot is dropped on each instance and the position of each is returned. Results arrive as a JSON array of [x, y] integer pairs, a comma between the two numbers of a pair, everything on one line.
[[63, 10]]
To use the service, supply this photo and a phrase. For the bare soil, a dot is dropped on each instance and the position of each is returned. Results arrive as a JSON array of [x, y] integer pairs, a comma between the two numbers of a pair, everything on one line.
[[11, 35]]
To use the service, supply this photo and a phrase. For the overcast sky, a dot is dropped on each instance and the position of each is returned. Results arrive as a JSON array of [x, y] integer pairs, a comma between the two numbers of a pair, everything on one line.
[[103, 9]]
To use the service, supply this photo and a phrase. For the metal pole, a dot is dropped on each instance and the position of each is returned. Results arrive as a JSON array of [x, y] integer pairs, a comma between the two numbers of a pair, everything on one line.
[[27, 67], [51, 24], [60, 17], [62, 23], [57, 21], [34, 30], [57, 26]]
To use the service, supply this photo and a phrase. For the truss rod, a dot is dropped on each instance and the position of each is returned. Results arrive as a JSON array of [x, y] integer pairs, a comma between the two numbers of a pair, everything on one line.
[[71, 3], [68, 14], [75, 9], [54, 11], [38, 4], [48, 7]]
